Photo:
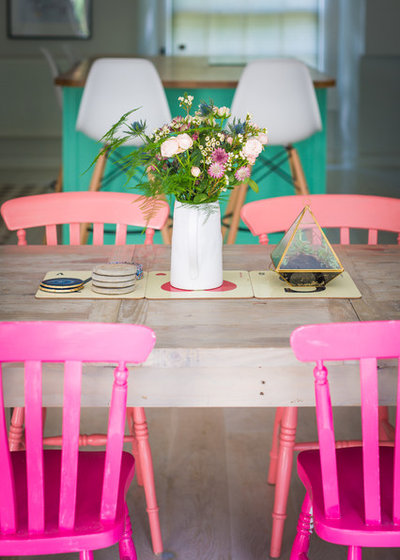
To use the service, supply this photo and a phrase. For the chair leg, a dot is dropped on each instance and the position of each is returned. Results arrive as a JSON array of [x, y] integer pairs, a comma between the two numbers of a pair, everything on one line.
[[16, 431], [126, 547], [354, 553], [299, 180], [234, 224], [301, 542], [86, 555], [386, 430], [284, 470], [135, 451], [274, 452], [95, 184], [146, 465]]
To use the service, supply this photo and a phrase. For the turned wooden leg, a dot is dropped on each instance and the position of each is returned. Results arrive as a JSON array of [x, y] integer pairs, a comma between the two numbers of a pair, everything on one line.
[[16, 431], [126, 547], [146, 464], [86, 555], [386, 430], [135, 450], [301, 542], [95, 184], [274, 452], [354, 553], [234, 226], [299, 180], [285, 461]]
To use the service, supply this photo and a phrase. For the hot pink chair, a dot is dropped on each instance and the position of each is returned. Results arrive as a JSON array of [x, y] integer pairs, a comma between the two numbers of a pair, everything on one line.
[[57, 501], [353, 494], [345, 212], [75, 208]]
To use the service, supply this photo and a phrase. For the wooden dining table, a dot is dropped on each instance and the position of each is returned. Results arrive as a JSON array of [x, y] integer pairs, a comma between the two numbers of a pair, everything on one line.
[[209, 352]]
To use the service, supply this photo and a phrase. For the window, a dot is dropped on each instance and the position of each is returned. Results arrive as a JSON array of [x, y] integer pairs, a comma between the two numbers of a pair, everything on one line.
[[246, 28]]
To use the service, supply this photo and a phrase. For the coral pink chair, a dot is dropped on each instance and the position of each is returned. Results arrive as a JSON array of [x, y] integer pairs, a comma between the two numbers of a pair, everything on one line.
[[352, 494], [345, 212], [80, 208], [75, 208], [66, 500]]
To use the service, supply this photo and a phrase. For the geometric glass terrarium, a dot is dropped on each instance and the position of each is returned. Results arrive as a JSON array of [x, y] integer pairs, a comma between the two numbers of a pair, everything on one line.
[[304, 256]]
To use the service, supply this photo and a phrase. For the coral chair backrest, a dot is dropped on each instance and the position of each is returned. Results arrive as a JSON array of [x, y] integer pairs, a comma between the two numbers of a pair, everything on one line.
[[115, 86], [280, 96], [365, 342], [72, 343], [76, 208], [343, 211]]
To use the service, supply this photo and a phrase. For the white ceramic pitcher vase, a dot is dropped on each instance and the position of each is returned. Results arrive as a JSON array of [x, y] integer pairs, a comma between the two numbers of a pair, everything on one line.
[[196, 255]]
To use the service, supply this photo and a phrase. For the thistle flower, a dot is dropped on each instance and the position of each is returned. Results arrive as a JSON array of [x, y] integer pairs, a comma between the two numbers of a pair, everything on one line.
[[242, 173], [216, 170], [137, 127], [219, 156]]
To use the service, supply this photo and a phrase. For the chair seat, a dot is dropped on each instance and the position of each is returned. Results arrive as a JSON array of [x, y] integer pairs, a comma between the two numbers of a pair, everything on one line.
[[348, 529], [89, 528]]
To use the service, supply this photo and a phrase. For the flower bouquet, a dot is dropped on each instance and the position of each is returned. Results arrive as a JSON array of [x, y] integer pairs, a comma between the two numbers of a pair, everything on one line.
[[197, 159]]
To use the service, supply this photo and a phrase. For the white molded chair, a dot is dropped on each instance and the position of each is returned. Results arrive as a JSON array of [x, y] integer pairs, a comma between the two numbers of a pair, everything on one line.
[[279, 94], [113, 87]]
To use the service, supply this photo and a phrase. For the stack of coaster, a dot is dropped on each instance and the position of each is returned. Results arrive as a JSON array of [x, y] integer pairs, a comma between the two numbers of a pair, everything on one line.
[[114, 279]]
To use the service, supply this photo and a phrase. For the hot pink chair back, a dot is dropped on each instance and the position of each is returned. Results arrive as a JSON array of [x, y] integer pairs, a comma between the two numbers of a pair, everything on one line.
[[343, 211], [354, 492], [56, 501], [77, 208]]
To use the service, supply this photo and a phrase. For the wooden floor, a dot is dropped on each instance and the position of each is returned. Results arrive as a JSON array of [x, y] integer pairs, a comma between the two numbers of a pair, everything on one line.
[[211, 464], [210, 468]]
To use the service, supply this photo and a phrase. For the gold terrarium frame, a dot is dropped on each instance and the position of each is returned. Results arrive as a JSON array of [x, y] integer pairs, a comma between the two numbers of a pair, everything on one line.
[[283, 273]]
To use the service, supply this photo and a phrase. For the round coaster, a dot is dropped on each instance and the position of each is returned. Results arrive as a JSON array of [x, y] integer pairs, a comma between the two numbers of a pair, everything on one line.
[[62, 283], [115, 270], [112, 279], [111, 283], [113, 291]]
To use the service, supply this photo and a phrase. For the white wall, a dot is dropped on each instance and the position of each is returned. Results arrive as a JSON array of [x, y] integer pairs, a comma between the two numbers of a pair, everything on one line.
[[30, 117]]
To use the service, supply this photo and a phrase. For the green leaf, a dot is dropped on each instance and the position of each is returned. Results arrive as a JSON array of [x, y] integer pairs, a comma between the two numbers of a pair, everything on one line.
[[252, 184]]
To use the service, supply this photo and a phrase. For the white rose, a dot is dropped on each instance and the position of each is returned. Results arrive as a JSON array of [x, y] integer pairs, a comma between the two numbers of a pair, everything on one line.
[[184, 142], [195, 171], [169, 147], [252, 148]]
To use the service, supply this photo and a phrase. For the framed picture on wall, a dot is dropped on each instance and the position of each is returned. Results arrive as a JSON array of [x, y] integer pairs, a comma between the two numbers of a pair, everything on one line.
[[49, 19]]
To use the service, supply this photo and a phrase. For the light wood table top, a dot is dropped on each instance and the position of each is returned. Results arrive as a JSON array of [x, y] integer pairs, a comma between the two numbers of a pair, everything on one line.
[[208, 352], [185, 72]]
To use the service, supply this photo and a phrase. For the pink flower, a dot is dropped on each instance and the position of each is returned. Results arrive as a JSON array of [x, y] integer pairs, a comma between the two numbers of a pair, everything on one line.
[[216, 170], [263, 138], [252, 148], [219, 156], [242, 173], [169, 147], [229, 140]]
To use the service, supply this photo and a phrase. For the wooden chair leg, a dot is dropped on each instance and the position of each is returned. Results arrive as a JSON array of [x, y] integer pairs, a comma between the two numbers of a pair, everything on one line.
[[95, 184], [166, 232], [58, 187], [229, 210], [354, 553], [146, 465], [296, 169], [274, 452], [301, 542], [234, 225], [16, 431], [126, 547], [285, 461], [135, 450]]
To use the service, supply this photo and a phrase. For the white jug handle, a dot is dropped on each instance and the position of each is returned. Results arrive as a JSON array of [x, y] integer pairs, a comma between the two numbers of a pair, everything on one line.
[[193, 244]]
